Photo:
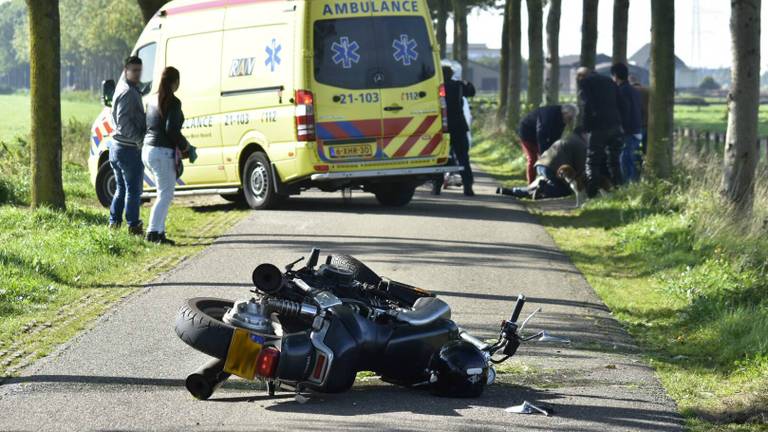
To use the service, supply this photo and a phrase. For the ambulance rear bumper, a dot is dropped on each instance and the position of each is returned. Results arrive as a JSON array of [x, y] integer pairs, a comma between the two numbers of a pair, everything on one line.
[[385, 173]]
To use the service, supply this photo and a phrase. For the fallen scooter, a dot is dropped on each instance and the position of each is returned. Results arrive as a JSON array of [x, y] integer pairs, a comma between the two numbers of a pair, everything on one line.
[[314, 328]]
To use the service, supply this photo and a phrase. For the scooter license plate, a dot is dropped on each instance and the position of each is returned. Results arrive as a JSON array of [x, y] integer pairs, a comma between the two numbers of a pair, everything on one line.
[[243, 352]]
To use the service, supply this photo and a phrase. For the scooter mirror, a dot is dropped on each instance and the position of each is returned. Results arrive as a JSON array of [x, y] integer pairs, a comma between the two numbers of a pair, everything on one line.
[[267, 278]]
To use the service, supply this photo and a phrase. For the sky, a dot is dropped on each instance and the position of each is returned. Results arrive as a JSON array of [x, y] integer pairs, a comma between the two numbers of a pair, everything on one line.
[[715, 42]]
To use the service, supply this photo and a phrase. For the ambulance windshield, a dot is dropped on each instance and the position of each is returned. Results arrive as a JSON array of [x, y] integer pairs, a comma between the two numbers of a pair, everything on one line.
[[376, 52]]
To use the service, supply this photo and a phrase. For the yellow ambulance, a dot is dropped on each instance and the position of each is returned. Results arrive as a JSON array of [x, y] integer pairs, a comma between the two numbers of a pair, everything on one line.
[[281, 96]]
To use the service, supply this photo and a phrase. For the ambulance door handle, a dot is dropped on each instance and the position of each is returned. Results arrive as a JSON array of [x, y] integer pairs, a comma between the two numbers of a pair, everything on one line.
[[393, 108]]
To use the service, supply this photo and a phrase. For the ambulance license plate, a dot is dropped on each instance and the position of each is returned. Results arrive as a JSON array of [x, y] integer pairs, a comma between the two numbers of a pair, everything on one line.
[[351, 151]]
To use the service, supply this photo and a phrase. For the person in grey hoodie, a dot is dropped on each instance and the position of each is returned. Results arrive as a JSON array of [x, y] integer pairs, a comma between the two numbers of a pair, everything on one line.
[[125, 149]]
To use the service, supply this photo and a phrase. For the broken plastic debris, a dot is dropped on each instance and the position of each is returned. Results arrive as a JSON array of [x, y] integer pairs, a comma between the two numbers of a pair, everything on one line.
[[301, 399], [526, 408]]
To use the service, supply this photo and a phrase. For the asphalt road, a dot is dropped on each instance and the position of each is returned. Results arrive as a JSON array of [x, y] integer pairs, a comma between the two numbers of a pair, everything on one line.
[[127, 372]]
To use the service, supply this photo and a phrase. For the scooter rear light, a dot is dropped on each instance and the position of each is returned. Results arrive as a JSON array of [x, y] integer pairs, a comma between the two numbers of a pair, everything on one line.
[[317, 373], [266, 363]]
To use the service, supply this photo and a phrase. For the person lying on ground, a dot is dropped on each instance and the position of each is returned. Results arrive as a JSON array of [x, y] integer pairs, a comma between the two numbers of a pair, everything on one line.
[[560, 170], [540, 128]]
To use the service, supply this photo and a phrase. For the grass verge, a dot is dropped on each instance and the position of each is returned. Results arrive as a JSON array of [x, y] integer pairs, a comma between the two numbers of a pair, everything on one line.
[[686, 281], [59, 270]]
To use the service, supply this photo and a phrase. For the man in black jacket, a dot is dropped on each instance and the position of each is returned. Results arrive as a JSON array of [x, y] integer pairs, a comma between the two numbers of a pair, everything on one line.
[[600, 117], [632, 123], [540, 128], [455, 91]]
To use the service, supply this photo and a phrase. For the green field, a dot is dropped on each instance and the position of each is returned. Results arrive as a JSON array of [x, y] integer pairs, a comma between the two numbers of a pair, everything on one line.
[[14, 112], [713, 118]]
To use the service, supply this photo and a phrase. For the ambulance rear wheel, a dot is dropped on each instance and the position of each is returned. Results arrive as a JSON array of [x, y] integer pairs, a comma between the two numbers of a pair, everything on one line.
[[395, 194], [258, 183], [105, 184]]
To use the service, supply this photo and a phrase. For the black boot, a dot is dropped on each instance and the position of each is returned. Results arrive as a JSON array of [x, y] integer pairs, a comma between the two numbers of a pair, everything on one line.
[[153, 237], [436, 186], [517, 192], [137, 230], [468, 190], [166, 241]]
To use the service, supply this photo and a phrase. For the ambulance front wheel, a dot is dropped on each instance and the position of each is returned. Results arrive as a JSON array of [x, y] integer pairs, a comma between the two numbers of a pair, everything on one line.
[[395, 194], [258, 183]]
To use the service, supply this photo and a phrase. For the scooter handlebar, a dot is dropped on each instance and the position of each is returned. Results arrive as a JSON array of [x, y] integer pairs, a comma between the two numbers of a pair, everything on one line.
[[518, 308]]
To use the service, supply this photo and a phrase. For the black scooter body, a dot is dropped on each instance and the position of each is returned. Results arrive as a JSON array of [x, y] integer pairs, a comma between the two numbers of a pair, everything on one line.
[[398, 352]]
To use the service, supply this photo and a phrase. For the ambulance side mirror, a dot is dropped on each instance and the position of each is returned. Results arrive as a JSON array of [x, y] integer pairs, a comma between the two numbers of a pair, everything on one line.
[[107, 91]]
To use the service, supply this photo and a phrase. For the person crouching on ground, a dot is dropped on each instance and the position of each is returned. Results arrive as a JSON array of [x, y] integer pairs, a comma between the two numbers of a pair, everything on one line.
[[540, 128], [560, 170], [164, 121]]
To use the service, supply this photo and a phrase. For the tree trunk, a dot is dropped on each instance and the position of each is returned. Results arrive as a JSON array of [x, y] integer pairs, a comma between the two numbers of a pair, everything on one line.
[[741, 148], [45, 103], [442, 19], [535, 53], [460, 43], [662, 97], [150, 7], [504, 65], [552, 81], [589, 34], [620, 19], [515, 66]]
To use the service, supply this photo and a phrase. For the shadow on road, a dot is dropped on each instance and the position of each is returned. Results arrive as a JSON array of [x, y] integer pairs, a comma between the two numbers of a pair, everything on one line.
[[378, 398]]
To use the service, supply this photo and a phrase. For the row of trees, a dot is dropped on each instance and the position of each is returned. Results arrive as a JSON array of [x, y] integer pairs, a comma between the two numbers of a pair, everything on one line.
[[741, 150], [95, 39], [117, 29], [45, 48]]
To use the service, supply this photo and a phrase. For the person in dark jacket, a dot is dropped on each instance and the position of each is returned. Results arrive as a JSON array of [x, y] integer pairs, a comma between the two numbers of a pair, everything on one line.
[[455, 91], [645, 96], [540, 128], [600, 116], [570, 151], [161, 143], [125, 148], [632, 123]]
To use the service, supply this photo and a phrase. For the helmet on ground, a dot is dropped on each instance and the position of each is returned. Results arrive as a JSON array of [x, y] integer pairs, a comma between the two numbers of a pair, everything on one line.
[[458, 369]]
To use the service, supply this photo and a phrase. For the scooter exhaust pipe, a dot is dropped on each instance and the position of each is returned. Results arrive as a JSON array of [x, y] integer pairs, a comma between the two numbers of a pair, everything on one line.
[[204, 381]]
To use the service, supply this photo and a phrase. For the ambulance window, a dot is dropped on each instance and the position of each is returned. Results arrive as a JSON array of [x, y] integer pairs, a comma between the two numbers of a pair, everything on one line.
[[344, 53], [147, 56], [376, 52], [405, 50]]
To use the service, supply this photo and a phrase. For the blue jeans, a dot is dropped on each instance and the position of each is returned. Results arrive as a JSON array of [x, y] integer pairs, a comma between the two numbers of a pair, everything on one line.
[[162, 164], [631, 158], [129, 181]]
